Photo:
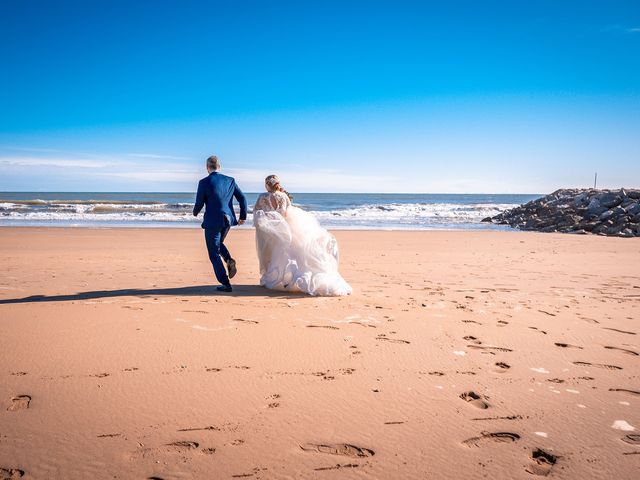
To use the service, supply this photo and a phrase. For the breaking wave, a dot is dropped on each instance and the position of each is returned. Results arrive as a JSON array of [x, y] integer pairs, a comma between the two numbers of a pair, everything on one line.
[[393, 215]]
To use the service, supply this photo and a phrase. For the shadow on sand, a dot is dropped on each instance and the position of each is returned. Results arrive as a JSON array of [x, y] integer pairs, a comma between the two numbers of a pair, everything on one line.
[[193, 291]]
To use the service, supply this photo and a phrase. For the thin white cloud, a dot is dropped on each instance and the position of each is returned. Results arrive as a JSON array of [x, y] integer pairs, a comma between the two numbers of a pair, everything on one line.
[[33, 150], [52, 162], [153, 155], [316, 180], [154, 176], [252, 179], [620, 29], [114, 172]]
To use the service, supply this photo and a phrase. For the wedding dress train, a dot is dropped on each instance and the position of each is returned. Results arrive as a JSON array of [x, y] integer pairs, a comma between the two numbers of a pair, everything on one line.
[[296, 254]]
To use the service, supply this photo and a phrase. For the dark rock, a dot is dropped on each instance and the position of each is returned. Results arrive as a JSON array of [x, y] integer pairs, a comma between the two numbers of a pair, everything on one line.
[[593, 204], [633, 209], [611, 199], [602, 212], [582, 199], [606, 215], [595, 214], [486, 219], [588, 226], [615, 229], [600, 229], [617, 211]]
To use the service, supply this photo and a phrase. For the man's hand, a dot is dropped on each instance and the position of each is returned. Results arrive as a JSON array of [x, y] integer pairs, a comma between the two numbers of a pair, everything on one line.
[[240, 222]]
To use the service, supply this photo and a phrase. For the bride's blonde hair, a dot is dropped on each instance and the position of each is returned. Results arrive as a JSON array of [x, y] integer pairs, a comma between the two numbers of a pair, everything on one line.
[[273, 182]]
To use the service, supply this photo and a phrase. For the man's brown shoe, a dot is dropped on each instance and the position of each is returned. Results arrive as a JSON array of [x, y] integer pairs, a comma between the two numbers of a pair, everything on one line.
[[231, 266]]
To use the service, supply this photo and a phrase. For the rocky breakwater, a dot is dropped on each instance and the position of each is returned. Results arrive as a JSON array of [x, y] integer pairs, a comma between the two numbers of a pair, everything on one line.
[[603, 212]]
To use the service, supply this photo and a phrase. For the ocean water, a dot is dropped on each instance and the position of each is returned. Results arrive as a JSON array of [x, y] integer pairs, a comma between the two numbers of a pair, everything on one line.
[[333, 210]]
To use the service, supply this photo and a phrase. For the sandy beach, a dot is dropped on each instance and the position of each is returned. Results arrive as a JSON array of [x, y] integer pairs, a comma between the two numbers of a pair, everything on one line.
[[459, 355]]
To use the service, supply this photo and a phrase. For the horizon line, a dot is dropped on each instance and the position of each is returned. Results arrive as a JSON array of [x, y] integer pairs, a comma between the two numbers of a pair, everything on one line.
[[292, 192]]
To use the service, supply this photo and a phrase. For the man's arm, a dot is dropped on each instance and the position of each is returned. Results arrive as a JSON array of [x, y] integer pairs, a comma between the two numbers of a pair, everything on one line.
[[242, 201], [199, 199]]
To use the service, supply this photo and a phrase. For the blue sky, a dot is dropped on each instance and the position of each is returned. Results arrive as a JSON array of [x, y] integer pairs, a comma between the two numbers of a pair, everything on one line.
[[511, 96]]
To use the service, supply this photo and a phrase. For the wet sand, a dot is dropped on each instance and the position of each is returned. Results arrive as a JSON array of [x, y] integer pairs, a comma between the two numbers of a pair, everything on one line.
[[460, 354]]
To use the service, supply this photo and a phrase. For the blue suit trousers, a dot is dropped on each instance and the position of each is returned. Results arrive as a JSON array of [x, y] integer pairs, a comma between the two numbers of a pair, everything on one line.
[[216, 248]]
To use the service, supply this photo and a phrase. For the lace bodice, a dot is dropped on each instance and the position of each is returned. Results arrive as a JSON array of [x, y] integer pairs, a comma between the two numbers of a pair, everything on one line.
[[267, 202]]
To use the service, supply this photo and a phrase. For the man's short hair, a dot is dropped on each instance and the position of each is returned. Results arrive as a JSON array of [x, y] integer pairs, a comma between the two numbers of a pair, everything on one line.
[[213, 163]]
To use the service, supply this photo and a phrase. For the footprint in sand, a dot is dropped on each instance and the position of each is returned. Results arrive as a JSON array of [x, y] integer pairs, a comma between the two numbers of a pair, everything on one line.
[[497, 437], [10, 473], [490, 348], [245, 320], [342, 449], [507, 417], [598, 365], [471, 338], [538, 330], [195, 429], [590, 320], [542, 463], [182, 445], [392, 340], [474, 399], [20, 402], [619, 331], [179, 447], [632, 439], [502, 367], [567, 345], [623, 350], [337, 466], [330, 327], [624, 390]]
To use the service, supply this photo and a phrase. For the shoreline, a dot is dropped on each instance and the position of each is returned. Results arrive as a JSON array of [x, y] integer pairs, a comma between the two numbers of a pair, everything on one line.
[[251, 229]]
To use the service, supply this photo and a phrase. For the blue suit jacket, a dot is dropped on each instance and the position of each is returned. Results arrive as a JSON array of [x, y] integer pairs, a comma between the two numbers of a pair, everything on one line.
[[216, 191]]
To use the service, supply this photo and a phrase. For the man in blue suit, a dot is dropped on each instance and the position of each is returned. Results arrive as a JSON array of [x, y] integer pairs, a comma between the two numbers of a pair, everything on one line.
[[216, 191]]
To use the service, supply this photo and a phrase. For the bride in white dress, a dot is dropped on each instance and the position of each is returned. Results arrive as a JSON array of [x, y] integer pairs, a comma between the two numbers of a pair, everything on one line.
[[296, 254]]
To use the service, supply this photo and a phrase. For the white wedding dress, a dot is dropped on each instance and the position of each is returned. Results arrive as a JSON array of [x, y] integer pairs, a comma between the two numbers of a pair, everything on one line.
[[296, 254]]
